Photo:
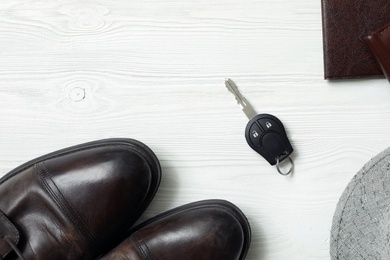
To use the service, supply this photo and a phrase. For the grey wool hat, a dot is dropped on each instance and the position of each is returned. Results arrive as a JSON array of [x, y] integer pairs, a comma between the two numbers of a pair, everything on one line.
[[361, 223]]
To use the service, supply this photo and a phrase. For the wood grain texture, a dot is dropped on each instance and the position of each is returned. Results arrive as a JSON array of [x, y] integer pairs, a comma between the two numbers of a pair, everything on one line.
[[154, 70]]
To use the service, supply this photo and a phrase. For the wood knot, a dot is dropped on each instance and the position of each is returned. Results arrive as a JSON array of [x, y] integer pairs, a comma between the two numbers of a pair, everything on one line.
[[77, 94]]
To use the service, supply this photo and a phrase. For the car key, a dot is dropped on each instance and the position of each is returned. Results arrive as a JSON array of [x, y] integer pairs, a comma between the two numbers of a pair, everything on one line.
[[264, 133]]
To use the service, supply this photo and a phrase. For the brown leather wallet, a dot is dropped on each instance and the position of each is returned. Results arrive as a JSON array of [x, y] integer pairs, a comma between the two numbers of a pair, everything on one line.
[[379, 43], [345, 24]]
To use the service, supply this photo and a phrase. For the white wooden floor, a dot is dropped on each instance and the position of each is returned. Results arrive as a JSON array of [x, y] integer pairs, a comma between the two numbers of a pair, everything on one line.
[[154, 70]]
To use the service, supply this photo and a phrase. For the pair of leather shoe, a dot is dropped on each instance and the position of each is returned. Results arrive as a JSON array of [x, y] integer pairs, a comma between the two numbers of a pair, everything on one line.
[[81, 202]]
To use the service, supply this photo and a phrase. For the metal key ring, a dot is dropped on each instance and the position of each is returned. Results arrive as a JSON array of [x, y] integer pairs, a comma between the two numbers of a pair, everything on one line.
[[289, 171]]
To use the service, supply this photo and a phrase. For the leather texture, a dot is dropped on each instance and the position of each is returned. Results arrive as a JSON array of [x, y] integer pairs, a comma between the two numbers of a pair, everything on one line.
[[345, 24], [7, 230], [379, 43], [205, 230], [77, 202]]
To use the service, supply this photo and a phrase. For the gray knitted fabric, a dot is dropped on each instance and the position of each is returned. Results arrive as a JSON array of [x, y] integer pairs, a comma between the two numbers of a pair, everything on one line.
[[361, 223]]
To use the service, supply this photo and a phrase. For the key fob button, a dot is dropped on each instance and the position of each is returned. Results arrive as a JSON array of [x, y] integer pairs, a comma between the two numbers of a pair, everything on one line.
[[255, 135], [269, 124]]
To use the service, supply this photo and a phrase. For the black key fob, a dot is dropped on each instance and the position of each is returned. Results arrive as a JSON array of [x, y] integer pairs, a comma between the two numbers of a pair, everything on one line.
[[266, 135]]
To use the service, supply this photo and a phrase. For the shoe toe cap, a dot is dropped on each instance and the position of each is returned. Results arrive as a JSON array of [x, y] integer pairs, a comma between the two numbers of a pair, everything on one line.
[[199, 231]]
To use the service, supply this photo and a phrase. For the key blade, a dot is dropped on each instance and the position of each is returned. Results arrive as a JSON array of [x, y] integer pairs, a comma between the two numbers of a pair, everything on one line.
[[234, 90], [241, 100]]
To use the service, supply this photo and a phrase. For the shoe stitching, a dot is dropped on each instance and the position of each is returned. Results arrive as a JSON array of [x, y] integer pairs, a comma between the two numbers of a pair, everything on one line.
[[149, 252], [73, 210], [63, 203], [134, 240]]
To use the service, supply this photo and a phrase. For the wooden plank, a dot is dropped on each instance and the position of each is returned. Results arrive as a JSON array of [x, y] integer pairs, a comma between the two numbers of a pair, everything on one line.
[[154, 70]]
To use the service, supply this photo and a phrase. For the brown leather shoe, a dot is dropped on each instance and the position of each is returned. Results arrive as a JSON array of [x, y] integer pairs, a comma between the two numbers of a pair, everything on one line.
[[72, 203], [210, 229]]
